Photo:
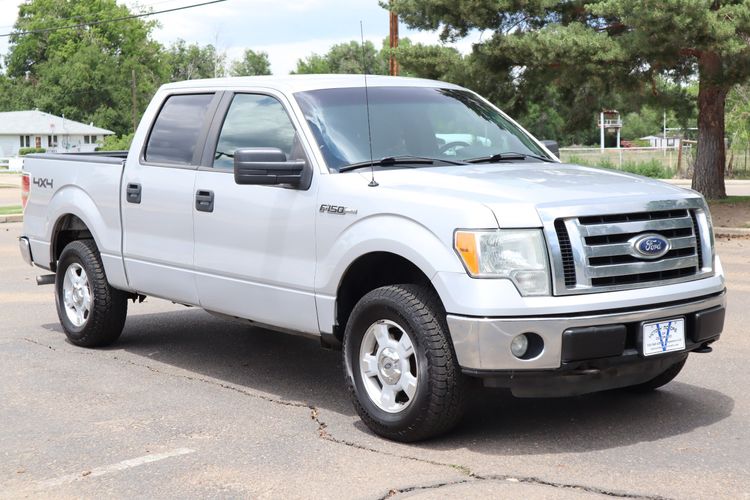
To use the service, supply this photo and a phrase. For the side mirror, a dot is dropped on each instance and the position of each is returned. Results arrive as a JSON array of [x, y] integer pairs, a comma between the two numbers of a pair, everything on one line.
[[266, 166], [552, 146]]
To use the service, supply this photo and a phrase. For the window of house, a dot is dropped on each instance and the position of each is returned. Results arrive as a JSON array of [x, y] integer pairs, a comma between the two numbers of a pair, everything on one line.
[[87, 139], [25, 141], [51, 141]]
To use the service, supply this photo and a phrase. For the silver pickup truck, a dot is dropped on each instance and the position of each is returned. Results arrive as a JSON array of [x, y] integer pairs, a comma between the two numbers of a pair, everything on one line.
[[408, 222]]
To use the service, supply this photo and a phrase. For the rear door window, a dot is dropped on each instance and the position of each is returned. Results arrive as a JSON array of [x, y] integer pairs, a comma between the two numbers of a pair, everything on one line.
[[177, 129]]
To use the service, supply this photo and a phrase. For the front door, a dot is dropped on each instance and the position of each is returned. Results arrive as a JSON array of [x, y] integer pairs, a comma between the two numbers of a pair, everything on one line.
[[157, 204], [255, 245]]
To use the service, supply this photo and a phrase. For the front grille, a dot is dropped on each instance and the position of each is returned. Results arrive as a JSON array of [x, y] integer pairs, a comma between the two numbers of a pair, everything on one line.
[[596, 250], [566, 251]]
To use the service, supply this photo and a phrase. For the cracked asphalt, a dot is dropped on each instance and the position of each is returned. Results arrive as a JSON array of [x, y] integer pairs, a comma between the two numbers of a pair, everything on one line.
[[188, 405]]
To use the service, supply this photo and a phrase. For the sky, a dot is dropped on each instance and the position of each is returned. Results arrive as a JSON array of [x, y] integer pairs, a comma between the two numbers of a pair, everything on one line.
[[286, 30]]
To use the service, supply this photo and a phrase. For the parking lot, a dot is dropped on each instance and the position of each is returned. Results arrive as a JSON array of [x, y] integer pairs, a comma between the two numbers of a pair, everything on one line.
[[190, 405]]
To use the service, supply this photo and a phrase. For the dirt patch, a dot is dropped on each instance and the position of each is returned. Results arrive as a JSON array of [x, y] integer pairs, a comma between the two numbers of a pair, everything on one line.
[[733, 211]]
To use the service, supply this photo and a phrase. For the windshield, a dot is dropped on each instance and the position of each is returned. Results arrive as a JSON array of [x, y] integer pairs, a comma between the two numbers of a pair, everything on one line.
[[409, 121]]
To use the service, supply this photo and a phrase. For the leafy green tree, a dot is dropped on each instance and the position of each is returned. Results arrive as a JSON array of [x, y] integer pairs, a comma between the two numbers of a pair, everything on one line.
[[344, 58], [190, 62], [252, 63], [83, 72], [603, 45], [738, 126], [117, 143]]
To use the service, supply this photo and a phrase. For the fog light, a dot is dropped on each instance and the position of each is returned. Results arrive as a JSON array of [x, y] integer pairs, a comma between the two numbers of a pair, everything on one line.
[[519, 345]]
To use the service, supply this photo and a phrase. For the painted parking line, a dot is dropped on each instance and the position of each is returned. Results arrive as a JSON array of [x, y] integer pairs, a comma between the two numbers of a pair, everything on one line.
[[107, 469]]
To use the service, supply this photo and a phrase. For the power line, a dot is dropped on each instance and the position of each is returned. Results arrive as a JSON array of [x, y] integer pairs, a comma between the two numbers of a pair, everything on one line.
[[138, 6], [107, 21]]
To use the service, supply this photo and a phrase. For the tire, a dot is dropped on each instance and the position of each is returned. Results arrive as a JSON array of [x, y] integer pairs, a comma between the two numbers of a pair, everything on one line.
[[662, 379], [391, 331], [91, 312]]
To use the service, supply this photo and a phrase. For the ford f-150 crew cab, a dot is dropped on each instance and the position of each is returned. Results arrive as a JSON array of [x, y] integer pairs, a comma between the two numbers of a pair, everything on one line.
[[409, 222]]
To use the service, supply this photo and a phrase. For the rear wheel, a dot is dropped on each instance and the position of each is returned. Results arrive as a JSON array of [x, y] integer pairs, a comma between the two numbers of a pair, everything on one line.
[[91, 312], [401, 369], [660, 380]]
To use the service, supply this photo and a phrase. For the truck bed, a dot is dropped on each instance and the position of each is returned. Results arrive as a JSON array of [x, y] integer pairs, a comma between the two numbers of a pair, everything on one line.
[[82, 185]]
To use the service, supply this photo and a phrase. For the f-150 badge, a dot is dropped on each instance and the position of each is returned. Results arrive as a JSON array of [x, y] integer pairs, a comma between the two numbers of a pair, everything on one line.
[[337, 210]]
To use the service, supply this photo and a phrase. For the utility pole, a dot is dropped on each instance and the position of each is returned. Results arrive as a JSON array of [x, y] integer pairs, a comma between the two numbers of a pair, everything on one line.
[[135, 102], [392, 62]]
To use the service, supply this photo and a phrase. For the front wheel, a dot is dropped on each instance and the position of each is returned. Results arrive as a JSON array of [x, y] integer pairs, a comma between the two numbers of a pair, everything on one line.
[[401, 369], [91, 312]]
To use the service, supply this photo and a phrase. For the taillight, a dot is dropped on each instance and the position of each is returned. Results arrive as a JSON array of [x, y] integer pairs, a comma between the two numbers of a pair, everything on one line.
[[25, 187]]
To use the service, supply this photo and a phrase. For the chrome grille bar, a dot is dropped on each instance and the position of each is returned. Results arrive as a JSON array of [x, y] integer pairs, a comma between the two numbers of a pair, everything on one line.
[[636, 227]]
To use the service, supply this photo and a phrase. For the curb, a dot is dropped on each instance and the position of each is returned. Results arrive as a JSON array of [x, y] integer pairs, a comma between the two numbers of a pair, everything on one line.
[[731, 231], [11, 218]]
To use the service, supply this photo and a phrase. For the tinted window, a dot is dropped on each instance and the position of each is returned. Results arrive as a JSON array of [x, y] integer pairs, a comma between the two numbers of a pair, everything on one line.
[[175, 133], [255, 121]]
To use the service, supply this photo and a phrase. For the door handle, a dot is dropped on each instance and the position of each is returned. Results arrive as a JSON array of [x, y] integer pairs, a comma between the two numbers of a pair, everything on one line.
[[204, 201], [133, 193]]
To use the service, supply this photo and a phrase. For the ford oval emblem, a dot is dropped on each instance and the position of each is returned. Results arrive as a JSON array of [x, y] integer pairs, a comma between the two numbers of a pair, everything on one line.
[[649, 246]]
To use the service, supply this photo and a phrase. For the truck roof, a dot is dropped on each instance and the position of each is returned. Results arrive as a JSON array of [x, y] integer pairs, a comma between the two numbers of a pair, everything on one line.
[[297, 83]]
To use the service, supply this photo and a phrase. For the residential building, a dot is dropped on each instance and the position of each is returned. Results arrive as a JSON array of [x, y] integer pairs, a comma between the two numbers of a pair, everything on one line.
[[56, 134]]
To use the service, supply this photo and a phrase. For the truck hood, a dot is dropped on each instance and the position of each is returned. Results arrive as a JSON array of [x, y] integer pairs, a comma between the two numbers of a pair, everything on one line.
[[517, 192]]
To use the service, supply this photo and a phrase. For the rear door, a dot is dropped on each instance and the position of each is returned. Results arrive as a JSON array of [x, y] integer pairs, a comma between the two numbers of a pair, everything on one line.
[[157, 206], [255, 244]]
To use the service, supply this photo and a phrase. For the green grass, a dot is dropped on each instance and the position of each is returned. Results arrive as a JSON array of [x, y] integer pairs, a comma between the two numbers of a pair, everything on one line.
[[11, 210], [732, 200], [649, 168]]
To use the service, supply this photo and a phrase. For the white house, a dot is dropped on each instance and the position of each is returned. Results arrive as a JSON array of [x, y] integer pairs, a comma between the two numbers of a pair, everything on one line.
[[37, 129], [658, 141]]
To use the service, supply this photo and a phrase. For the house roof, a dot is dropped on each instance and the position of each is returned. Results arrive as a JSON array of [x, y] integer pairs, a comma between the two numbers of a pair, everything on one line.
[[41, 123]]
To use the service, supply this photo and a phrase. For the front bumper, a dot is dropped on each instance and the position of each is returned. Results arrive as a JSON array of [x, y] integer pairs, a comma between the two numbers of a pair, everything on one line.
[[483, 344]]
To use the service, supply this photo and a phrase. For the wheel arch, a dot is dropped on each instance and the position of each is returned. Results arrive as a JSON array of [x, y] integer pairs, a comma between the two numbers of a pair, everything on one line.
[[68, 228], [368, 272]]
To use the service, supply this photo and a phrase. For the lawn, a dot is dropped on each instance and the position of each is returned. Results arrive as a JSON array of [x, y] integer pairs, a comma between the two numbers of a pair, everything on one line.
[[11, 210]]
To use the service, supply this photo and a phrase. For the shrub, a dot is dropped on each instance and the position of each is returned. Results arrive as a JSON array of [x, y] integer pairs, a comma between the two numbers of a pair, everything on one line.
[[651, 168], [28, 151]]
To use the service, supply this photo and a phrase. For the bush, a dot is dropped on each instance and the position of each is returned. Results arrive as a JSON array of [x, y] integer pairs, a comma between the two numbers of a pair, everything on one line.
[[116, 143], [28, 151], [651, 168]]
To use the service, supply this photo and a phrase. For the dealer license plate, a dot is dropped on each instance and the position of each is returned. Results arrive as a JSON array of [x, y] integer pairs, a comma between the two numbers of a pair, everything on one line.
[[663, 336]]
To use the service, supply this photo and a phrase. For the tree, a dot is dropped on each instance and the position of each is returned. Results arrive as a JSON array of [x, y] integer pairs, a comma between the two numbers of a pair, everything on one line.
[[252, 63], [345, 58], [84, 72], [606, 45], [190, 62]]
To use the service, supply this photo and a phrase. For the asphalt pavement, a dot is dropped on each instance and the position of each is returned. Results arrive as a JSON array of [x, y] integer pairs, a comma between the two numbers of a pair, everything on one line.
[[187, 405]]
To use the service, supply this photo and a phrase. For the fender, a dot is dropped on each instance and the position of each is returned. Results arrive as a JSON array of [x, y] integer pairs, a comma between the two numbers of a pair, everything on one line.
[[73, 200], [378, 233]]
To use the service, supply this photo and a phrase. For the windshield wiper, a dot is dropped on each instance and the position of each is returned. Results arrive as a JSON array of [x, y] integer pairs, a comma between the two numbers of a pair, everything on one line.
[[389, 161], [510, 155]]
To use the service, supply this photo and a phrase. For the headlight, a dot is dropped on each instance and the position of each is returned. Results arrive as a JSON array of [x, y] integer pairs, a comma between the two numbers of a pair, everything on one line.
[[517, 254]]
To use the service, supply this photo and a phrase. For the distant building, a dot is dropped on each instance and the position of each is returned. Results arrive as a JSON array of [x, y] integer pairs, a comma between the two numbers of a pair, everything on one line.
[[36, 129], [658, 141]]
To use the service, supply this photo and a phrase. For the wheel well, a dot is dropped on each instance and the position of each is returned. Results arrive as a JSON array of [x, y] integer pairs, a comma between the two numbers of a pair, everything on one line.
[[69, 228], [369, 272]]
